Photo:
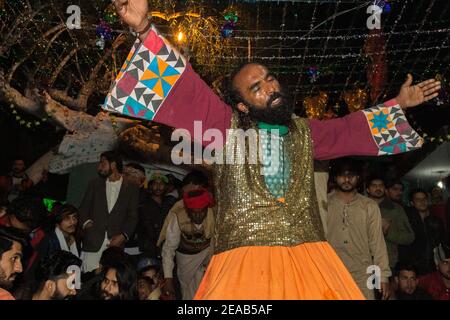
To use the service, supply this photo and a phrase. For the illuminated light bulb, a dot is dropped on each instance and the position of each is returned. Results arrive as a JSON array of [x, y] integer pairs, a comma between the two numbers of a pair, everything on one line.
[[440, 184], [180, 36]]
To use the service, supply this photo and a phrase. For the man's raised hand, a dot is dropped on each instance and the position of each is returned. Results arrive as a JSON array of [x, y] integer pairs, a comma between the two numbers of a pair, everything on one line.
[[411, 96]]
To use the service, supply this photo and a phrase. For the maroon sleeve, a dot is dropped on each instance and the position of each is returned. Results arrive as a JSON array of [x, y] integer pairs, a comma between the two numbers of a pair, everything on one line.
[[380, 130], [157, 83], [192, 100]]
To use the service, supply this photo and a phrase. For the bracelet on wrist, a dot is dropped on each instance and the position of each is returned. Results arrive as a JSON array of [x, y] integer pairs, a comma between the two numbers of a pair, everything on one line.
[[147, 27]]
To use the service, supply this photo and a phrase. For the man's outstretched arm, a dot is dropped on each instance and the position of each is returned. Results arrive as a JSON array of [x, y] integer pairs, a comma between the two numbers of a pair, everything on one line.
[[157, 83], [380, 130]]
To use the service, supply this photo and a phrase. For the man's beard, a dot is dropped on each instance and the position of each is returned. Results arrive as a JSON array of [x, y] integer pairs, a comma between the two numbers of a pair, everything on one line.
[[377, 195], [346, 187], [445, 275], [4, 282], [279, 115], [106, 296], [105, 175]]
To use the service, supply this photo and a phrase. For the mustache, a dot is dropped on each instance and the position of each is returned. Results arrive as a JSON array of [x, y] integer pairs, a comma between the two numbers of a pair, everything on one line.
[[274, 97]]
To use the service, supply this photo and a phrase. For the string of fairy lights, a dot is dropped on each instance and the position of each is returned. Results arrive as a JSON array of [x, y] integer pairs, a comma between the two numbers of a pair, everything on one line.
[[306, 54]]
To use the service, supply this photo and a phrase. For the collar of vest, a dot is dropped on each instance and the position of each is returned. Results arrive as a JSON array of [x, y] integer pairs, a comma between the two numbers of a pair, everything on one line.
[[283, 130]]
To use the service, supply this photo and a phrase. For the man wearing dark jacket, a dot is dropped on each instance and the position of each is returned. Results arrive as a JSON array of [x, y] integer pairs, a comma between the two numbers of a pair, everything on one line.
[[63, 236], [396, 227], [109, 210], [151, 216], [428, 231]]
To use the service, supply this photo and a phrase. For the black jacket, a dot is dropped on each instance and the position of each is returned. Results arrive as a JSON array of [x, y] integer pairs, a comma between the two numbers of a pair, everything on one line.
[[429, 233], [121, 220]]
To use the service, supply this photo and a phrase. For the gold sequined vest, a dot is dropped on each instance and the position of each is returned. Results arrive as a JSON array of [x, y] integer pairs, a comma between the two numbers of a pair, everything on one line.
[[247, 214], [193, 241]]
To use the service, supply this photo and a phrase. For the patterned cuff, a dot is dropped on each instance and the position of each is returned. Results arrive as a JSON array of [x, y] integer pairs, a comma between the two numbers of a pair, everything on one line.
[[146, 78], [390, 129]]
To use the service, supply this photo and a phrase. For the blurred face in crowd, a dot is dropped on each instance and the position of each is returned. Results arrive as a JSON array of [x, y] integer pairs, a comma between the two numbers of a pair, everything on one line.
[[197, 215], [69, 223], [16, 223], [395, 192], [191, 187], [444, 268], [407, 281], [420, 201], [18, 166], [59, 288], [109, 288], [376, 189], [10, 265], [150, 273], [105, 167], [158, 187], [144, 288], [347, 181]]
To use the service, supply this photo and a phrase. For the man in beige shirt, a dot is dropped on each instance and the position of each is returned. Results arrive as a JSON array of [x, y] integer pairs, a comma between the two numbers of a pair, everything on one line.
[[355, 232]]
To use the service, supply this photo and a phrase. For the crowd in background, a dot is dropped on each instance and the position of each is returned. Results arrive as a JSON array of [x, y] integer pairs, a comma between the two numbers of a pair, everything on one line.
[[150, 237]]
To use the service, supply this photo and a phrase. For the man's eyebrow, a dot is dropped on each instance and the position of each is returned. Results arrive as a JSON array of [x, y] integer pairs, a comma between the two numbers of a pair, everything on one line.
[[253, 86]]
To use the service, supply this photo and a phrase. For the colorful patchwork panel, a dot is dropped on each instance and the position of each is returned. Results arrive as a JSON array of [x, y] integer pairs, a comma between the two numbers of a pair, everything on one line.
[[391, 131], [146, 78]]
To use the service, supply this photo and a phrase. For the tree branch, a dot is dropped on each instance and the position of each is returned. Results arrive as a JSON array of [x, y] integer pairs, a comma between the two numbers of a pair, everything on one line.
[[9, 39], [11, 95], [90, 84], [62, 65]]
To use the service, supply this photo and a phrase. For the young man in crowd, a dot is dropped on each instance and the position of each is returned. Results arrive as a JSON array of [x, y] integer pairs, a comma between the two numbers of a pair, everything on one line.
[[63, 235], [407, 284], [428, 232], [190, 228], [119, 282], [437, 283], [109, 210], [355, 231], [56, 277], [14, 183], [12, 244], [395, 224]]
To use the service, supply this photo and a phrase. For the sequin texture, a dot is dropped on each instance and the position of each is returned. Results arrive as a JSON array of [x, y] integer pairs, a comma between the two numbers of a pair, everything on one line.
[[247, 214]]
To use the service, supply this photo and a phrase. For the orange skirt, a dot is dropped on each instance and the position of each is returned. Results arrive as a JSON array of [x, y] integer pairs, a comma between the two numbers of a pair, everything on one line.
[[309, 271]]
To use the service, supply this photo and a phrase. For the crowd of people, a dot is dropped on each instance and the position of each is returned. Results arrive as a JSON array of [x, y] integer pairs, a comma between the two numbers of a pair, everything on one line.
[[151, 239], [131, 237]]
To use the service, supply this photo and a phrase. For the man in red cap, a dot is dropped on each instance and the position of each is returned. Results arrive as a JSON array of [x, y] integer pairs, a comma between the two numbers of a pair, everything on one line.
[[188, 237]]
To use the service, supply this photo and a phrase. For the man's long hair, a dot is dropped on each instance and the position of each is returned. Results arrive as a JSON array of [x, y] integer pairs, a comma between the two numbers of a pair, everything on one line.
[[279, 115], [126, 279], [231, 95]]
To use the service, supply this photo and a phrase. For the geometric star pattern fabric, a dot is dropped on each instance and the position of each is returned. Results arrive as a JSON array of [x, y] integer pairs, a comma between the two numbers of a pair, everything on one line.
[[391, 130], [146, 78]]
